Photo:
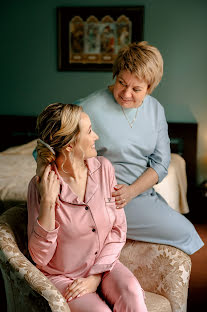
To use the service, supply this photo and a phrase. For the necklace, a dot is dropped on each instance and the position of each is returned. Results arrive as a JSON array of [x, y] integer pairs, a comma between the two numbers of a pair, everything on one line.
[[130, 122]]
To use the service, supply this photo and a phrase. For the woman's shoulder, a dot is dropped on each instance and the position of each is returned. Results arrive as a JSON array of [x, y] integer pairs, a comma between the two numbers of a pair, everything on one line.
[[104, 161], [99, 162], [32, 193], [106, 165], [33, 181], [93, 97], [32, 186], [153, 105], [150, 100]]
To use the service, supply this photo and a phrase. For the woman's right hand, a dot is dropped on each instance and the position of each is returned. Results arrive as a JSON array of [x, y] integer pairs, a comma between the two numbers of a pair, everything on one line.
[[82, 286], [48, 186]]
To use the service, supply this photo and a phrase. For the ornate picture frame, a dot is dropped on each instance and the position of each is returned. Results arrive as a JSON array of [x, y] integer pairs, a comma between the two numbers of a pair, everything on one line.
[[90, 37]]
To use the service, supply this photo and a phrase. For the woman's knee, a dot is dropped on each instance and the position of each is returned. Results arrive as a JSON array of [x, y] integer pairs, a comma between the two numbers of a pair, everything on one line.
[[131, 287], [131, 298], [182, 227]]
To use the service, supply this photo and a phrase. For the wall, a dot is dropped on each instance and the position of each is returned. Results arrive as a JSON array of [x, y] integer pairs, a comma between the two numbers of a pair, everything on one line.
[[30, 79]]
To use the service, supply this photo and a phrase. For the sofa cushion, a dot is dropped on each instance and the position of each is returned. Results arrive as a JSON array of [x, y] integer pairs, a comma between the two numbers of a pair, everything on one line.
[[157, 303]]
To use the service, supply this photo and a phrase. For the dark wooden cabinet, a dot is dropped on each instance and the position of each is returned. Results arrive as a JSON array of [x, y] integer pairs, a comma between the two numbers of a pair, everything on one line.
[[197, 199]]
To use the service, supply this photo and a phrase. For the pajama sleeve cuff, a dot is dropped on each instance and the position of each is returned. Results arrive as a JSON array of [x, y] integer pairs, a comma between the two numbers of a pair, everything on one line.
[[48, 235]]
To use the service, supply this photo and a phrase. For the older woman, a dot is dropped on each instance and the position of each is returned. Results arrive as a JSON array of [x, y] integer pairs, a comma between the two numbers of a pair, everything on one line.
[[134, 136], [75, 232]]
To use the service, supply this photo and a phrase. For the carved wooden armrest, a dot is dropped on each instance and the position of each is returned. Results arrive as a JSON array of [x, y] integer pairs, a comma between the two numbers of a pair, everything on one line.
[[161, 269], [24, 283]]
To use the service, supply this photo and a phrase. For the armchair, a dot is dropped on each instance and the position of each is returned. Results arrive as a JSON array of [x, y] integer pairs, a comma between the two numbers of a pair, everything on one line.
[[162, 271], [25, 286]]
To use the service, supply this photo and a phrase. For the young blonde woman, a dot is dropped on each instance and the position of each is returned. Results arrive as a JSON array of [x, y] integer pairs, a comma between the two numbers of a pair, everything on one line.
[[75, 232], [134, 136]]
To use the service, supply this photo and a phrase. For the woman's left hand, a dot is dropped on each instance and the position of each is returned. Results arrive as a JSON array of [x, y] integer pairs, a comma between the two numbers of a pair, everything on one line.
[[82, 286], [123, 195]]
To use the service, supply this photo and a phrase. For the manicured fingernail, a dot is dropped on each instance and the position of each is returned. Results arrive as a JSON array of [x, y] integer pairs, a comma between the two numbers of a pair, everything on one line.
[[78, 296], [70, 298]]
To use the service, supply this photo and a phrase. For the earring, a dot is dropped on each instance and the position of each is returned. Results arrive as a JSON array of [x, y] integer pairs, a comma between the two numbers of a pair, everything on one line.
[[64, 163], [71, 156]]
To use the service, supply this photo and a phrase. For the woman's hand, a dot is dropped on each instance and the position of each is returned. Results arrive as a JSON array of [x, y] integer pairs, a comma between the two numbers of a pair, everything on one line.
[[82, 286], [48, 186], [123, 195]]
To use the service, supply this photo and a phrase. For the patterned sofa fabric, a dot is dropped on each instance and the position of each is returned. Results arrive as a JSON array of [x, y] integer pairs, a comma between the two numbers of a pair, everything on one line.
[[160, 269], [163, 271], [26, 287]]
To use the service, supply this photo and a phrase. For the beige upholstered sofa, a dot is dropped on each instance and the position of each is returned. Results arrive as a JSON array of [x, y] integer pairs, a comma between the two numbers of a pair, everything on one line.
[[163, 271]]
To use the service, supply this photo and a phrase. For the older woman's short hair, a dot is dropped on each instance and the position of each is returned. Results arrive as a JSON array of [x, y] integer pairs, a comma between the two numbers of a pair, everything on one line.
[[142, 59], [57, 126]]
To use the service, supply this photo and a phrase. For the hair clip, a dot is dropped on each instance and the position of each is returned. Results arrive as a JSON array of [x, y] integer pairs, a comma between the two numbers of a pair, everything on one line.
[[48, 146]]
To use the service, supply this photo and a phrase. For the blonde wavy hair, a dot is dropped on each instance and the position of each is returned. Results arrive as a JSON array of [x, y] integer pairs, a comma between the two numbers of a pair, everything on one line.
[[142, 59], [58, 126]]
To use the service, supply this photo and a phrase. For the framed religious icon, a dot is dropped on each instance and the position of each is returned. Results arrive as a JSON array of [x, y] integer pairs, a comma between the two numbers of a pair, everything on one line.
[[89, 38]]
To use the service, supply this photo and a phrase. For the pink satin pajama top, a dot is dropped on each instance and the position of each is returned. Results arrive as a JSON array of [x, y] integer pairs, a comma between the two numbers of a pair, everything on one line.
[[88, 236]]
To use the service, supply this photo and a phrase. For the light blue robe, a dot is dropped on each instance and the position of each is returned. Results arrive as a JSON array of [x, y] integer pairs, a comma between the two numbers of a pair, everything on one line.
[[132, 151]]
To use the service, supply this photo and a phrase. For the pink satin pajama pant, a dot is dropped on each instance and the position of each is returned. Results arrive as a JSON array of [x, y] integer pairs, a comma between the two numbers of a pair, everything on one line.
[[119, 288]]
